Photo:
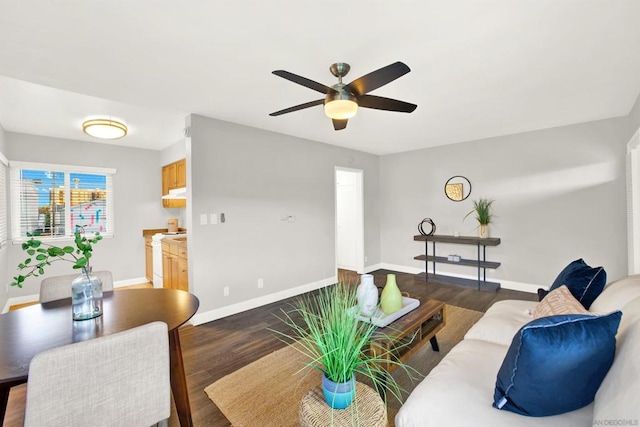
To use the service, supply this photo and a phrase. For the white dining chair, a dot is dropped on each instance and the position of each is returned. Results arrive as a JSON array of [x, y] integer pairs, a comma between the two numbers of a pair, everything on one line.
[[59, 287], [115, 380]]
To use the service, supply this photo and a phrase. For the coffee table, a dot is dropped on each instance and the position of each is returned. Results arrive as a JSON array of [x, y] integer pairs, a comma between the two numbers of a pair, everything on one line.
[[403, 337]]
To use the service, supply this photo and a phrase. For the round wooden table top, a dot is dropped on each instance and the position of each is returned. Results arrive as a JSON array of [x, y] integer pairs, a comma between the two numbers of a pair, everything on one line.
[[30, 330]]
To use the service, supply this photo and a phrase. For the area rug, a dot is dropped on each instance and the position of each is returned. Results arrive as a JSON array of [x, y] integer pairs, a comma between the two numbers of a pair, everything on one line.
[[268, 392]]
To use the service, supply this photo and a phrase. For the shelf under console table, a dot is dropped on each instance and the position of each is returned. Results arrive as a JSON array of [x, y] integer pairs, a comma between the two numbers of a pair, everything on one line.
[[480, 262]]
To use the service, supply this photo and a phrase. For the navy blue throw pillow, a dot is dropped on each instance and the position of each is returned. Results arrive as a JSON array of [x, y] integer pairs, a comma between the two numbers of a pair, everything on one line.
[[556, 364], [584, 282]]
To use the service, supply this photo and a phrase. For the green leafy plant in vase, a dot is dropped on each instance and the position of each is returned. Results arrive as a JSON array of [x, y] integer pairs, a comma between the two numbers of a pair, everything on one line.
[[482, 211], [325, 328], [86, 290]]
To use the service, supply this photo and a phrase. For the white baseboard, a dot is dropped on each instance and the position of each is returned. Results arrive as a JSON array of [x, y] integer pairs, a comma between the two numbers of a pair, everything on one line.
[[229, 310], [368, 269], [505, 284], [129, 282], [20, 300]]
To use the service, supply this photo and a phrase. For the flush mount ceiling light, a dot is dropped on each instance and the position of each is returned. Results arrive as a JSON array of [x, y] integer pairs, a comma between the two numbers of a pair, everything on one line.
[[104, 128]]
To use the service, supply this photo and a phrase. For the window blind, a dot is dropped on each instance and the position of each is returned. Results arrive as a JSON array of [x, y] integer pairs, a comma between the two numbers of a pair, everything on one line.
[[4, 211], [57, 200]]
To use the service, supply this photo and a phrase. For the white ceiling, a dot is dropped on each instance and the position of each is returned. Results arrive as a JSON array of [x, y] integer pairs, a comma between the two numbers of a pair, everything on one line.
[[480, 68]]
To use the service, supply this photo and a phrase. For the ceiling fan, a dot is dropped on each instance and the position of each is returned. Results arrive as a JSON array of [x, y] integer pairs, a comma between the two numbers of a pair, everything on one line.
[[341, 100]]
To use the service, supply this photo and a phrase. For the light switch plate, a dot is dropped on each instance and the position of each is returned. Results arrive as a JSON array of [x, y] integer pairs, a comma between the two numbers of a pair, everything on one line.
[[203, 219], [214, 218]]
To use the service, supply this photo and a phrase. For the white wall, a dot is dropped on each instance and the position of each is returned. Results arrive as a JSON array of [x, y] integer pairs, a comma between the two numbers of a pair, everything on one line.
[[137, 191], [254, 177], [5, 273], [560, 195]]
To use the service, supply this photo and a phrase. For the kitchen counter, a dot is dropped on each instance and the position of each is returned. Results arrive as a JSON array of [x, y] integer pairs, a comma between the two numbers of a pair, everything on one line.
[[150, 232]]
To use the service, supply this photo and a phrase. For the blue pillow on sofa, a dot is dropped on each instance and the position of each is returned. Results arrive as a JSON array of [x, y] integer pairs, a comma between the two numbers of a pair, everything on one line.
[[584, 282], [555, 364]]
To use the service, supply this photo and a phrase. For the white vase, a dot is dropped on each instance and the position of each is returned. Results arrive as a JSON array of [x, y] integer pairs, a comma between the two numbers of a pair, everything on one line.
[[483, 231], [367, 295]]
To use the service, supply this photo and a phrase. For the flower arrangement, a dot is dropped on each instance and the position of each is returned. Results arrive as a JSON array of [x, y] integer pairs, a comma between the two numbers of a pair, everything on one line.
[[42, 254]]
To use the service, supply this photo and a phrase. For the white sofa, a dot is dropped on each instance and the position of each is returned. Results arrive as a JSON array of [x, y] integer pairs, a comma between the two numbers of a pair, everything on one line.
[[459, 391]]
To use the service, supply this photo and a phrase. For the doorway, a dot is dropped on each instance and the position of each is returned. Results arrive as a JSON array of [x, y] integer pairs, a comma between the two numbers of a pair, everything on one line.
[[349, 219]]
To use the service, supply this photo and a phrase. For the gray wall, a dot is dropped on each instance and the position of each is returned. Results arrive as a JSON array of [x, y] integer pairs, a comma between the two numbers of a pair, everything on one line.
[[5, 273], [254, 177], [137, 190], [634, 118], [559, 195]]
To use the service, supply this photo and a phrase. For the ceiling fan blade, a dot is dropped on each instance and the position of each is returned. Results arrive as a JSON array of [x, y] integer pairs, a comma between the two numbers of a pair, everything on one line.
[[298, 107], [303, 81], [380, 103], [339, 124], [377, 78]]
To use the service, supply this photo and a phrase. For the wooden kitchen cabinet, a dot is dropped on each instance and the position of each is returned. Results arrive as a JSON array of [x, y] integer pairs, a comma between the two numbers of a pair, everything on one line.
[[174, 175], [174, 264], [148, 259], [181, 173]]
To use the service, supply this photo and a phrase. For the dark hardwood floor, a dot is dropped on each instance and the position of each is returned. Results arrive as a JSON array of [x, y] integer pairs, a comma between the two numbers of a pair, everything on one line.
[[218, 348]]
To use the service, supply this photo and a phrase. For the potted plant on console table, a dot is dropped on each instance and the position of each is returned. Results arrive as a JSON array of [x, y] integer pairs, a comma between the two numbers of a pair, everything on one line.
[[86, 290], [482, 209], [326, 330]]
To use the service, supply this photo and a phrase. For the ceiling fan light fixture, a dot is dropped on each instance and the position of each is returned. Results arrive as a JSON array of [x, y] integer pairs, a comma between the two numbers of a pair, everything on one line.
[[104, 128], [340, 105]]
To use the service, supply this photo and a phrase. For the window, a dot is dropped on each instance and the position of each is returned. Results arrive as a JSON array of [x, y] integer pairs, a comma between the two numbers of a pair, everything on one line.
[[4, 212], [56, 200]]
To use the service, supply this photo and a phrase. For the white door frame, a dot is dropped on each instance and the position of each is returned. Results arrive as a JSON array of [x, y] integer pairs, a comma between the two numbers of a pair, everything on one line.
[[633, 203], [359, 216]]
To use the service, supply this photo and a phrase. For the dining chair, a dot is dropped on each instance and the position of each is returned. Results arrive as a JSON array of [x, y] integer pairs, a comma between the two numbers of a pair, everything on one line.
[[59, 287], [115, 380]]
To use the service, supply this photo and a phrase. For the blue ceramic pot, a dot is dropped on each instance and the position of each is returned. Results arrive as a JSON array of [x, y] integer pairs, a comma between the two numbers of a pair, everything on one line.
[[338, 395]]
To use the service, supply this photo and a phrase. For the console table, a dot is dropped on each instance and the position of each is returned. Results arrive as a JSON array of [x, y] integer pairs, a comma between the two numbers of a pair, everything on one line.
[[480, 262]]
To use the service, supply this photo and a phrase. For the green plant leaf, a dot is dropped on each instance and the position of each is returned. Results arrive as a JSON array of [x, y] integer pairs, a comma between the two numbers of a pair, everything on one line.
[[41, 257], [31, 252], [68, 249]]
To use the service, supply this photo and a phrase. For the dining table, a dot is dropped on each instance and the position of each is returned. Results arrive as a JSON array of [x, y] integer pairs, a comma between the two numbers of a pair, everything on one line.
[[30, 330]]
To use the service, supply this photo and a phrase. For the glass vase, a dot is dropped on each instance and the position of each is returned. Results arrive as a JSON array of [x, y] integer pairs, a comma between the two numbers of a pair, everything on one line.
[[86, 296], [391, 297]]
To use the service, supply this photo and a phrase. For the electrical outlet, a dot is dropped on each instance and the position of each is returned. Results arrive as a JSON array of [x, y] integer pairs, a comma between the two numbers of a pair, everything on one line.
[[260, 283], [225, 291], [203, 219], [214, 218]]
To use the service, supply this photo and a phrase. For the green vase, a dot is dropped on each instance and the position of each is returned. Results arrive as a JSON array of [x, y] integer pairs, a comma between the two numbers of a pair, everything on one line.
[[391, 298]]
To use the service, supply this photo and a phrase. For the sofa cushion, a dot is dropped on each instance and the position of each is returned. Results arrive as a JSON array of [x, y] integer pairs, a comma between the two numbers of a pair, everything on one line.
[[501, 321], [559, 301], [616, 294], [617, 397], [584, 282], [556, 364], [457, 392]]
